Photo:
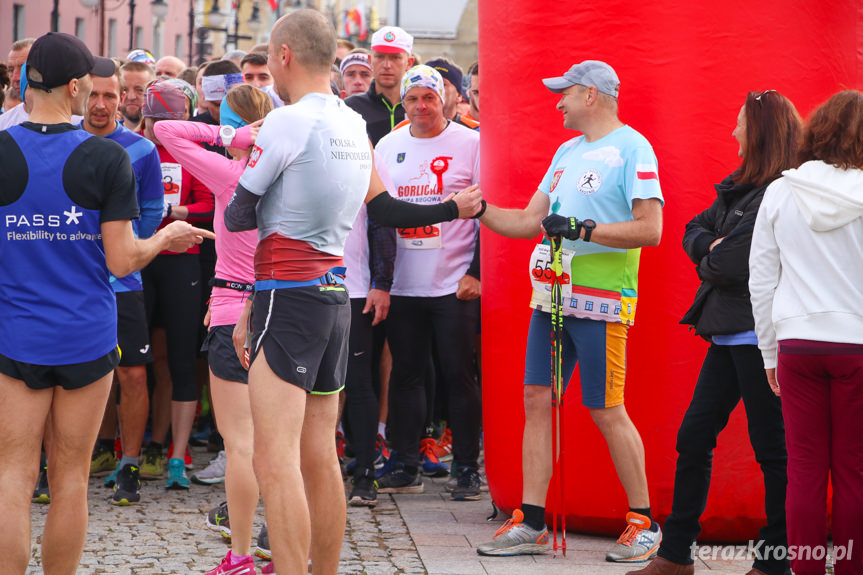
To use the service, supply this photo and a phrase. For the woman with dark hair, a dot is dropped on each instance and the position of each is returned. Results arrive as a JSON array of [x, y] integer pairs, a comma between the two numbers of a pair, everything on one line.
[[806, 289], [717, 241]]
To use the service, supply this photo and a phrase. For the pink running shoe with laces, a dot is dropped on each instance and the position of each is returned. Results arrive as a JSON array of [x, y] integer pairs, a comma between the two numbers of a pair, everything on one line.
[[245, 566]]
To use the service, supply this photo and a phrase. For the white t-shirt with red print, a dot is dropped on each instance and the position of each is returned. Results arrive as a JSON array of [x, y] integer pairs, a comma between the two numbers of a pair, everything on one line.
[[431, 260]]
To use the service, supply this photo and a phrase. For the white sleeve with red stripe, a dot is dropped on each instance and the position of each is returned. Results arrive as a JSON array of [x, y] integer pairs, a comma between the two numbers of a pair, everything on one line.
[[643, 176]]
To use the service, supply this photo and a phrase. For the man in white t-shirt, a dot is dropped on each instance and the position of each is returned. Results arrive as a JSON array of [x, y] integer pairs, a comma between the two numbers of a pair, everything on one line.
[[310, 171], [427, 160]]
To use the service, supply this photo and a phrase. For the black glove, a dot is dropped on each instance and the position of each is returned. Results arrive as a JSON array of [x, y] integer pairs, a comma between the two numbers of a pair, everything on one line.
[[556, 225]]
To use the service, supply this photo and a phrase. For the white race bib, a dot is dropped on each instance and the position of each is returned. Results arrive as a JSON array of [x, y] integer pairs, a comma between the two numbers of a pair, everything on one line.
[[424, 238], [541, 275], [172, 180]]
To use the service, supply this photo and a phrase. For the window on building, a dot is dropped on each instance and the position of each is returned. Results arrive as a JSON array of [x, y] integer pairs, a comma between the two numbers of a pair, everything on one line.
[[112, 37], [139, 36], [178, 46], [18, 22], [79, 28], [157, 41]]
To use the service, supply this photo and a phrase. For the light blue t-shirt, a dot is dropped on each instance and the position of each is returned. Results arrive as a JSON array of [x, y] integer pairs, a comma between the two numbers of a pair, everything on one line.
[[599, 181]]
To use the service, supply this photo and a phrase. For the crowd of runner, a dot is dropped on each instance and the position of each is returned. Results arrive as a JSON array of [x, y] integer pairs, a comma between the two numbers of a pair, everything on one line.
[[366, 302]]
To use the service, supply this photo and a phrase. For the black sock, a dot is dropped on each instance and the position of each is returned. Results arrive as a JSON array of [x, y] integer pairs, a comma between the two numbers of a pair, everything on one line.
[[534, 516], [154, 445], [654, 527], [107, 444]]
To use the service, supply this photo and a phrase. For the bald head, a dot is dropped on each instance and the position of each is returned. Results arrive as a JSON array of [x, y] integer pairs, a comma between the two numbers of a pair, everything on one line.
[[310, 36], [170, 66]]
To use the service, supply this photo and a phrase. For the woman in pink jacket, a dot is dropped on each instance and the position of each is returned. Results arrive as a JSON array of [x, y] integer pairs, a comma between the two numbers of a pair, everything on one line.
[[241, 113]]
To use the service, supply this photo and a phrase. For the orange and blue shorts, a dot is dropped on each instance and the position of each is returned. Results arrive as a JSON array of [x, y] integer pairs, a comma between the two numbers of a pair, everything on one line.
[[598, 347]]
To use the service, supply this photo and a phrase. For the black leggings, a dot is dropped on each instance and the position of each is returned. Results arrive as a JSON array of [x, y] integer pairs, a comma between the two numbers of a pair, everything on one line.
[[172, 290], [361, 400], [411, 325]]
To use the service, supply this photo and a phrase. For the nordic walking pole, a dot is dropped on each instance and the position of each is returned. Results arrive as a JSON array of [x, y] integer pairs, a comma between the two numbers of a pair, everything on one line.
[[557, 386]]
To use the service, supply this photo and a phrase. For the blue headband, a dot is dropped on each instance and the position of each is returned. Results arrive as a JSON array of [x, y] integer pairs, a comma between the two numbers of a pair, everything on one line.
[[228, 117], [23, 80]]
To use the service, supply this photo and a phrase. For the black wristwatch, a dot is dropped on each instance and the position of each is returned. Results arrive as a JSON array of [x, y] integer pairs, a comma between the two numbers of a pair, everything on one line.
[[588, 226]]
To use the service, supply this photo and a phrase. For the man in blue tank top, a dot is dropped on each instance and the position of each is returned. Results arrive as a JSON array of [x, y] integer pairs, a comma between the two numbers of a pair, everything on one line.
[[133, 334], [66, 204]]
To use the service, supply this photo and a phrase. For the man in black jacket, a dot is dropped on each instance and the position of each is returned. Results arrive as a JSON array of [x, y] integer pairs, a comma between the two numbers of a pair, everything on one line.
[[381, 106]]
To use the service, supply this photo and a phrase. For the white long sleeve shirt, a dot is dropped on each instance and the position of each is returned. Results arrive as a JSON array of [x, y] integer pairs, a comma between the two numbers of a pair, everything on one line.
[[806, 261]]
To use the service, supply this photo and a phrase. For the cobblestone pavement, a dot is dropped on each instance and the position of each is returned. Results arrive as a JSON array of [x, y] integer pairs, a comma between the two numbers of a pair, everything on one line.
[[405, 534], [167, 533]]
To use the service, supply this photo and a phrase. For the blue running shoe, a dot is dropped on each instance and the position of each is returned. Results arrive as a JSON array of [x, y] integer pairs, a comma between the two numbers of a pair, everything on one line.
[[111, 480], [177, 474], [432, 467], [388, 465]]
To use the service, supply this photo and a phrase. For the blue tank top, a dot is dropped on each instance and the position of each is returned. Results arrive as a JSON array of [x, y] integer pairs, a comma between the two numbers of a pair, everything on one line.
[[56, 303]]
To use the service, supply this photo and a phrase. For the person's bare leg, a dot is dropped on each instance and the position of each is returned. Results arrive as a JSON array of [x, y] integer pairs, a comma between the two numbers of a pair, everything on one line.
[[108, 429], [626, 450], [234, 414], [134, 408], [323, 482], [73, 432], [23, 414], [161, 403], [278, 410], [536, 444]]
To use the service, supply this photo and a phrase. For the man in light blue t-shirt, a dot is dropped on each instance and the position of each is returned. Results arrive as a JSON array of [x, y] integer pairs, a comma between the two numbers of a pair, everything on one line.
[[601, 195]]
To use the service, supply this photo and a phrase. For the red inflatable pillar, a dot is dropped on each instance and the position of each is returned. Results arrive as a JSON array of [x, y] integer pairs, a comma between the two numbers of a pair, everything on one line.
[[685, 69]]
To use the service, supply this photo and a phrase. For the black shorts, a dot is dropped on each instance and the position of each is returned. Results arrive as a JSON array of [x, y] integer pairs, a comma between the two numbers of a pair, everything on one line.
[[132, 333], [304, 332], [69, 377], [221, 355]]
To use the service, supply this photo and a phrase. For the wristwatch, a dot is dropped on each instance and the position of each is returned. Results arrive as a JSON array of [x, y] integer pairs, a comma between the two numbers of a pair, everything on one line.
[[227, 133], [588, 226]]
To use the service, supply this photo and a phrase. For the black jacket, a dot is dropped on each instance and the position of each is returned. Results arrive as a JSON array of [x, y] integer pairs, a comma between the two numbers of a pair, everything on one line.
[[380, 116], [722, 303]]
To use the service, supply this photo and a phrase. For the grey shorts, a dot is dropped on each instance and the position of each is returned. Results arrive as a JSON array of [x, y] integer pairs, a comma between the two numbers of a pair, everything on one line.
[[221, 355]]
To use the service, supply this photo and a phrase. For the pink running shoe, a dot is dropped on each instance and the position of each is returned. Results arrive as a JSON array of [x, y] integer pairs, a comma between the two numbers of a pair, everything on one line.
[[227, 567], [268, 569]]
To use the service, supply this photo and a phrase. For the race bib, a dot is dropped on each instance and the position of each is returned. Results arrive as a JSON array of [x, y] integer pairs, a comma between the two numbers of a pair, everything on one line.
[[541, 276], [172, 181], [424, 238]]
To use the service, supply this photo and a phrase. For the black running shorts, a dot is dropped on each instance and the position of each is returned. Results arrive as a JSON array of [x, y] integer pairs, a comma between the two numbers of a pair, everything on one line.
[[221, 355], [69, 377], [304, 333], [132, 333]]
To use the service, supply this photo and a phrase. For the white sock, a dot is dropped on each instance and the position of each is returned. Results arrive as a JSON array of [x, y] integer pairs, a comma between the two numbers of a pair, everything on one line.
[[382, 429]]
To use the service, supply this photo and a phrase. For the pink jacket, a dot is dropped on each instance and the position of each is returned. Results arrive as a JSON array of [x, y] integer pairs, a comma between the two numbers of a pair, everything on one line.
[[235, 252]]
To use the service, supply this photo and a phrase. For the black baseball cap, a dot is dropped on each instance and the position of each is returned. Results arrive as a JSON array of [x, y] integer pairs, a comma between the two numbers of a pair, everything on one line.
[[450, 73], [57, 58]]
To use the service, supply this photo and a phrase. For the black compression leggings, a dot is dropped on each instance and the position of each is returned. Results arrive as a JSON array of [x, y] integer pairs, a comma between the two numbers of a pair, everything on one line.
[[172, 290]]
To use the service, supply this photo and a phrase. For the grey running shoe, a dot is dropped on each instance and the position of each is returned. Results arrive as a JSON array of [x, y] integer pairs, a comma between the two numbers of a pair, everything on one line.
[[637, 543], [262, 549], [214, 472], [217, 520], [516, 538], [467, 486]]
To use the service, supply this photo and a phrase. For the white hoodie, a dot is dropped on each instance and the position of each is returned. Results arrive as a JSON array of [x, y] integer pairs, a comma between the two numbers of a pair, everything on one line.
[[806, 261]]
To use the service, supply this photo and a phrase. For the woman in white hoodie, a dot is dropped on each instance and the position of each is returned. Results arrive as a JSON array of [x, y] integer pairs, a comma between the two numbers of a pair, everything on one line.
[[806, 284]]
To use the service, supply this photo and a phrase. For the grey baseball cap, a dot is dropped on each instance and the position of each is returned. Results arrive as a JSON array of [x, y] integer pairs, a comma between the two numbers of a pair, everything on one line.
[[587, 73]]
